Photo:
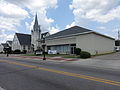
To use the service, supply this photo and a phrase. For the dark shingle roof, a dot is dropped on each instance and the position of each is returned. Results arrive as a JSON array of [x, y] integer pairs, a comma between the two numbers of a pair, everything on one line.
[[69, 31], [44, 34], [10, 42], [24, 39], [4, 45]]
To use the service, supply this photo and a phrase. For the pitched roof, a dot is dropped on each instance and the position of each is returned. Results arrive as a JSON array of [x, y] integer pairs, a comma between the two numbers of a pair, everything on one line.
[[10, 42], [24, 39], [44, 34], [70, 31], [4, 45]]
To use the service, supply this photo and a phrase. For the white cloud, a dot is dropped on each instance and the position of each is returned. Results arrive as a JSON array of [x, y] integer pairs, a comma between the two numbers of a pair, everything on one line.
[[39, 6], [12, 12], [71, 25], [4, 37], [96, 10], [102, 28], [11, 15], [54, 30], [35, 4], [8, 23]]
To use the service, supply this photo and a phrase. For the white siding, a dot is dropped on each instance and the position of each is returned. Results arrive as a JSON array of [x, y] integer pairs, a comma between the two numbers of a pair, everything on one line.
[[91, 42], [60, 41], [16, 44], [1, 48], [94, 43], [34, 39], [25, 47]]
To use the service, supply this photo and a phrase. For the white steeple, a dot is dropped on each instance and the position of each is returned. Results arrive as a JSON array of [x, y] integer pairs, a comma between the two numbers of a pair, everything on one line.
[[36, 34]]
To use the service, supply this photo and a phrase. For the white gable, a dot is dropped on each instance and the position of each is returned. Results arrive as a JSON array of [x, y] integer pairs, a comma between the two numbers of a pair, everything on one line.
[[16, 43]]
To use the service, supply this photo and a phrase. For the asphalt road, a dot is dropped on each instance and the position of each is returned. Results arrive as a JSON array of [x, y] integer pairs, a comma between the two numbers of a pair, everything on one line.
[[20, 74]]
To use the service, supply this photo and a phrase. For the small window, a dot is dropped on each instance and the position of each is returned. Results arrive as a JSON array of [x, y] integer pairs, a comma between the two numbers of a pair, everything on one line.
[[23, 47], [28, 47]]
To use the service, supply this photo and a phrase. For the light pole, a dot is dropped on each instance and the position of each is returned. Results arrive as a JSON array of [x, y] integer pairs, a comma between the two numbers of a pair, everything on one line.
[[7, 51]]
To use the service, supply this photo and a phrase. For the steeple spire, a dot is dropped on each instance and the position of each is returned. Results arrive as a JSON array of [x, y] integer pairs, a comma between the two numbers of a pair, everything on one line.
[[36, 20], [36, 34], [36, 26]]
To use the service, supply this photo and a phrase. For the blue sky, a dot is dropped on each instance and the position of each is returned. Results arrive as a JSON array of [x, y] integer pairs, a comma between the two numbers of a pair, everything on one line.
[[62, 14], [102, 16]]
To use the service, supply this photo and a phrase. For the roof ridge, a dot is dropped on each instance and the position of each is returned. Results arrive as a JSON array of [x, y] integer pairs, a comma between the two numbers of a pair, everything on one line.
[[70, 31], [23, 33]]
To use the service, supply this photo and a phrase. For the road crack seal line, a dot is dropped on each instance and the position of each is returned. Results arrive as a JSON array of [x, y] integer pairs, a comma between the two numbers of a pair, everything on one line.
[[66, 73]]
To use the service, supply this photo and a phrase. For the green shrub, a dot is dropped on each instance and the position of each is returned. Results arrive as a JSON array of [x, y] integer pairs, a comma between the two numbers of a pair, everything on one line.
[[24, 51], [46, 52], [58, 53], [84, 54], [77, 51], [1, 52], [17, 51]]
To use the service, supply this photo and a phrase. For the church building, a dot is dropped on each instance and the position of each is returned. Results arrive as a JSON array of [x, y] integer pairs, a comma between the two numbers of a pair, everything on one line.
[[28, 42], [37, 36], [21, 42]]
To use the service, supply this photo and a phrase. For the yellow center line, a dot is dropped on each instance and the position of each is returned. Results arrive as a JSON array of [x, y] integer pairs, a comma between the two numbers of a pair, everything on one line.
[[66, 73]]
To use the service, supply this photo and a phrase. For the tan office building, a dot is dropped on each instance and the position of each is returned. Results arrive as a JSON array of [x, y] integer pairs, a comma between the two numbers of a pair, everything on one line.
[[67, 40]]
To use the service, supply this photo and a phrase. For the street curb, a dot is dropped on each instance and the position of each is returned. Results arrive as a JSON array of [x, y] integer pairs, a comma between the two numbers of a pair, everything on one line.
[[47, 58]]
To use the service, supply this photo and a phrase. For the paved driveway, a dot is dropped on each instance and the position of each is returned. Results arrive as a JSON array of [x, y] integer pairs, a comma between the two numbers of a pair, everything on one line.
[[111, 62], [115, 56]]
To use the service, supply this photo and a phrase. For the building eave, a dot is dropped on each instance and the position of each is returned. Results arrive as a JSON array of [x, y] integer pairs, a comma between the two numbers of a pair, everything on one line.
[[69, 35], [103, 35], [81, 34]]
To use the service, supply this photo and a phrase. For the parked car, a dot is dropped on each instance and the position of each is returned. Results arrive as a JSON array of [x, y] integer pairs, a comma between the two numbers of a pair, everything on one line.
[[117, 48], [52, 52], [38, 52]]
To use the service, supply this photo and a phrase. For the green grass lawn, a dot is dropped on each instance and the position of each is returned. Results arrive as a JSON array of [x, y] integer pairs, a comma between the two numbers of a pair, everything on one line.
[[66, 56], [71, 56], [29, 55], [55, 55]]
